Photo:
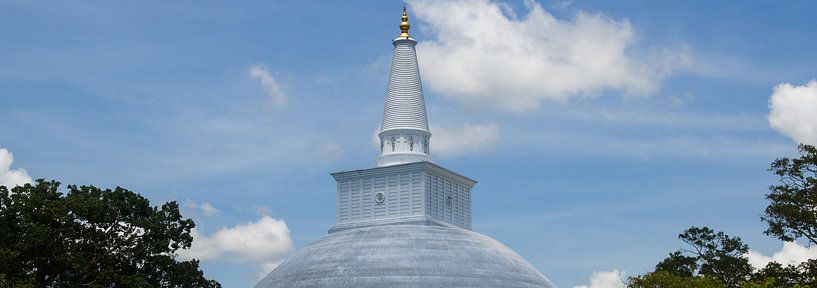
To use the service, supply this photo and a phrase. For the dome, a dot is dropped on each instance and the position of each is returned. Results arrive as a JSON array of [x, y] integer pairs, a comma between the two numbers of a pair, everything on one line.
[[405, 255]]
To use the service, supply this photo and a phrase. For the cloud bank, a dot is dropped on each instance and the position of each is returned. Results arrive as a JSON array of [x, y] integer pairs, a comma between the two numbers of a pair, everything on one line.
[[264, 242], [11, 177], [261, 73], [605, 279], [793, 111], [467, 139], [792, 253], [206, 208], [481, 51]]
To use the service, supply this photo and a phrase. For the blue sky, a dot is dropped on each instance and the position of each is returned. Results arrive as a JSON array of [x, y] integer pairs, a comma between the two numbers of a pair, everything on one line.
[[597, 130]]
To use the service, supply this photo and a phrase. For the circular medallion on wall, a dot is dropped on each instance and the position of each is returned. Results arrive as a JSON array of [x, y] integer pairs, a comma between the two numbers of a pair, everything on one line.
[[379, 197]]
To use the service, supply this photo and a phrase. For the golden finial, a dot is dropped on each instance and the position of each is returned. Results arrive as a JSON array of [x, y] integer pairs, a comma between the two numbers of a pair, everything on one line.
[[404, 25]]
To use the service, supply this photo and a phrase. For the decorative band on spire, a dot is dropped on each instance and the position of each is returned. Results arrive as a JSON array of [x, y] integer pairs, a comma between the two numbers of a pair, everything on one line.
[[404, 24]]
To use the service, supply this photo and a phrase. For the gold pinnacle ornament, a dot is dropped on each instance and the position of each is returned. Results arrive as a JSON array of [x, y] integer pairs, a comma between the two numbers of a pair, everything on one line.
[[404, 25]]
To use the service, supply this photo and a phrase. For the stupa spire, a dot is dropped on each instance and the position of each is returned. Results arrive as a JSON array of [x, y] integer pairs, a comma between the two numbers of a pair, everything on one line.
[[404, 134]]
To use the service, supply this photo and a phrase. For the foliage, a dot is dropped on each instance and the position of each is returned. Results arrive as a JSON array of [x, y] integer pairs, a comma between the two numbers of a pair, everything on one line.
[[716, 260], [792, 213], [92, 237], [715, 255], [664, 279], [775, 275], [679, 264], [771, 283]]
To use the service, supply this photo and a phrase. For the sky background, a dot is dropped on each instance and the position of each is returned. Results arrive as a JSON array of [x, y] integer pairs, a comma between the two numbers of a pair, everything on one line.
[[598, 130]]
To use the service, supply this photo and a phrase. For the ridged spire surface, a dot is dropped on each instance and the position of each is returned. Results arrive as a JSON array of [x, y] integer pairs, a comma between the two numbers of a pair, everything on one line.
[[405, 105], [404, 134]]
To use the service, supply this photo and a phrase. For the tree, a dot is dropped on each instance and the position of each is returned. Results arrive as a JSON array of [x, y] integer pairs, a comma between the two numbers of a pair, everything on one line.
[[92, 237], [775, 275], [714, 255], [664, 279], [792, 213], [679, 264]]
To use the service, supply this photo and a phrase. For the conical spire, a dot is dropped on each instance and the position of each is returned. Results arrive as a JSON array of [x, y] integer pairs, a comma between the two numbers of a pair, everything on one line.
[[404, 133]]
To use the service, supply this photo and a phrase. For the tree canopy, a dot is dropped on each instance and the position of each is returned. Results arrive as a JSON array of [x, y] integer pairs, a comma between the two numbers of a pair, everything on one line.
[[717, 260], [792, 212], [90, 237], [777, 275], [664, 279], [713, 254]]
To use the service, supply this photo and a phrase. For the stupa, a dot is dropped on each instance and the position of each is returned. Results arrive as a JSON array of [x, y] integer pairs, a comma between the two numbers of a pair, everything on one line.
[[406, 222]]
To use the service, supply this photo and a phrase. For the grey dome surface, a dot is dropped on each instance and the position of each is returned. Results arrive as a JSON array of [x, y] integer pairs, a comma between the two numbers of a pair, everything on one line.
[[405, 255]]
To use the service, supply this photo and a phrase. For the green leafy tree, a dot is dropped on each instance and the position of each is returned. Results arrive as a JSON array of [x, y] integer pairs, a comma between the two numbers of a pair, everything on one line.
[[679, 264], [792, 213], [775, 275], [712, 254], [664, 279], [91, 237]]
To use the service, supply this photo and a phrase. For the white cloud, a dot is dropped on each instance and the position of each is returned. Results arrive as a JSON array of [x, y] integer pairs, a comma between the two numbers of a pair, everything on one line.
[[270, 86], [794, 111], [265, 268], [452, 141], [375, 137], [605, 279], [208, 209], [792, 253], [205, 208], [480, 51], [264, 242], [11, 177]]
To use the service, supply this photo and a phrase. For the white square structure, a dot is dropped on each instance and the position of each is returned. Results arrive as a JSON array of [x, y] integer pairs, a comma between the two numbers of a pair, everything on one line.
[[419, 191]]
